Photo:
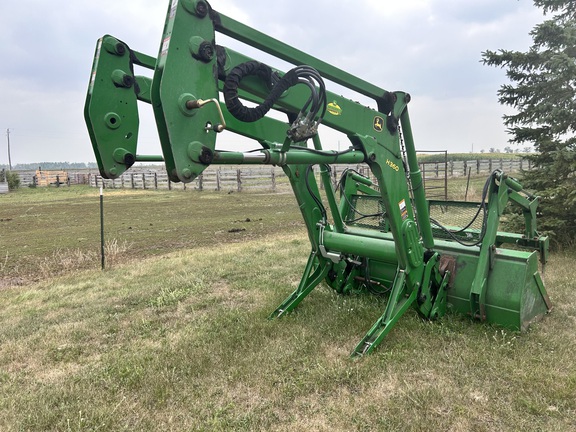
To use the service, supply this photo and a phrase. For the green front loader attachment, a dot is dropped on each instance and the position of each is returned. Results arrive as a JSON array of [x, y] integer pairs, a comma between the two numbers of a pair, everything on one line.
[[504, 303], [377, 233]]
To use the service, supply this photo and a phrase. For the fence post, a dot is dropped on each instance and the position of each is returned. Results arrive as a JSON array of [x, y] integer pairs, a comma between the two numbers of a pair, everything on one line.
[[143, 181], [155, 180], [218, 179], [201, 182], [132, 180], [424, 175], [169, 184], [239, 179], [465, 164], [273, 179]]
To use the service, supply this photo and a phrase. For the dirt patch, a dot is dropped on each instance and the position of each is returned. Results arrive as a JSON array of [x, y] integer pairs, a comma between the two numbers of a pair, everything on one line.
[[12, 282]]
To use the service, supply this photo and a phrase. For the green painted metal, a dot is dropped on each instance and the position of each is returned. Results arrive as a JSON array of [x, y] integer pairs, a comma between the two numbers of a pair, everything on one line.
[[417, 182], [283, 51], [394, 248], [401, 298], [184, 73], [149, 158], [110, 111], [514, 295], [314, 273], [369, 247], [277, 157]]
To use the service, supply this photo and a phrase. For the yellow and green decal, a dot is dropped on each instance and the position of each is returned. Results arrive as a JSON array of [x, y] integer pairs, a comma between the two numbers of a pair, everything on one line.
[[334, 109]]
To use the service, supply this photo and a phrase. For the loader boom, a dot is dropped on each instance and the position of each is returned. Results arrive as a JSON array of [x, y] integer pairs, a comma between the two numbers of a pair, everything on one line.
[[199, 88]]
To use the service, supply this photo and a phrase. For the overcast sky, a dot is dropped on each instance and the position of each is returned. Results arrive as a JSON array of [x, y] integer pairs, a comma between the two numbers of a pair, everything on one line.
[[429, 48]]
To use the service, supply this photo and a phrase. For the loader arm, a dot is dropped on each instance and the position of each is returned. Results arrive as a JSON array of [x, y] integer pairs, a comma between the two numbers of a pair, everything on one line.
[[200, 88]]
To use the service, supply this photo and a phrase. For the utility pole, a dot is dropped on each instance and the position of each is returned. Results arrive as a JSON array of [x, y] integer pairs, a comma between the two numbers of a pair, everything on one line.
[[9, 160]]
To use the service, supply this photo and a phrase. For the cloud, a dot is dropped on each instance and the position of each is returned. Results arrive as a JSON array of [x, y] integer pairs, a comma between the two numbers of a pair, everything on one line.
[[430, 48], [400, 9]]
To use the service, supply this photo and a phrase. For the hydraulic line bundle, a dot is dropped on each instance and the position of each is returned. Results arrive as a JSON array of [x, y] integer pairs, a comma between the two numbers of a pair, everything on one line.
[[380, 236]]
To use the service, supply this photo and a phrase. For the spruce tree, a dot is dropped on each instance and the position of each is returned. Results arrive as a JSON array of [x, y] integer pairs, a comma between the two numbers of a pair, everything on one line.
[[542, 90]]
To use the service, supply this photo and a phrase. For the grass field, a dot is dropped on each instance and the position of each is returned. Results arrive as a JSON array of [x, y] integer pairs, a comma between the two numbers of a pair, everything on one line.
[[174, 336], [46, 232]]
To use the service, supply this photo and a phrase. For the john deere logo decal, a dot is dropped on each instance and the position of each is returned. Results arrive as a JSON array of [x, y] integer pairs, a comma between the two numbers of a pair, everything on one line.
[[334, 109], [378, 124]]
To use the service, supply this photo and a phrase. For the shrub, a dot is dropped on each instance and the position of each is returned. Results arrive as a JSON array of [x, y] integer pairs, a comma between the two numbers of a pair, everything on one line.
[[13, 180]]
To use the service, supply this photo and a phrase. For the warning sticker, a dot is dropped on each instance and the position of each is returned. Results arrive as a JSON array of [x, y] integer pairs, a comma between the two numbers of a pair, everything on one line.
[[165, 45], [403, 209]]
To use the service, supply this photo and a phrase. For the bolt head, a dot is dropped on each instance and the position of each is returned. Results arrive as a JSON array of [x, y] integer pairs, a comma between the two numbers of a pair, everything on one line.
[[201, 9]]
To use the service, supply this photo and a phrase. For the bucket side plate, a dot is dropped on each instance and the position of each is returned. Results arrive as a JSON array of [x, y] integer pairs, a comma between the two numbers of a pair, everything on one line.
[[515, 294]]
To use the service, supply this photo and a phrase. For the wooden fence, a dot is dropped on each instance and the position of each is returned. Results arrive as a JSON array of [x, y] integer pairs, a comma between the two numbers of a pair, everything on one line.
[[482, 166], [230, 179], [215, 179], [269, 178]]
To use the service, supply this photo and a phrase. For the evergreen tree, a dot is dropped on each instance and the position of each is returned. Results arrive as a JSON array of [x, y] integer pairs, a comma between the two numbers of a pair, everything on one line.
[[542, 89]]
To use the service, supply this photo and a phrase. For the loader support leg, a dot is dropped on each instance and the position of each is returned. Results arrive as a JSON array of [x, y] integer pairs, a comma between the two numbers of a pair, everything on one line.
[[310, 279], [398, 303]]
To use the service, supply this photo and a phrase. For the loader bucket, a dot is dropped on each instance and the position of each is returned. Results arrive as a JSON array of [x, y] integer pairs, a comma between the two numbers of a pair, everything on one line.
[[514, 293]]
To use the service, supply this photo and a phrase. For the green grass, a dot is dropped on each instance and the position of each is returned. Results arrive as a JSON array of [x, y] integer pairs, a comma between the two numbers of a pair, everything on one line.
[[46, 232], [175, 336]]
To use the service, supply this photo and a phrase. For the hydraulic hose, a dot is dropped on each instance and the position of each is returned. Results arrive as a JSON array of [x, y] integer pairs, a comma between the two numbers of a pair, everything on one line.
[[310, 116], [264, 72]]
